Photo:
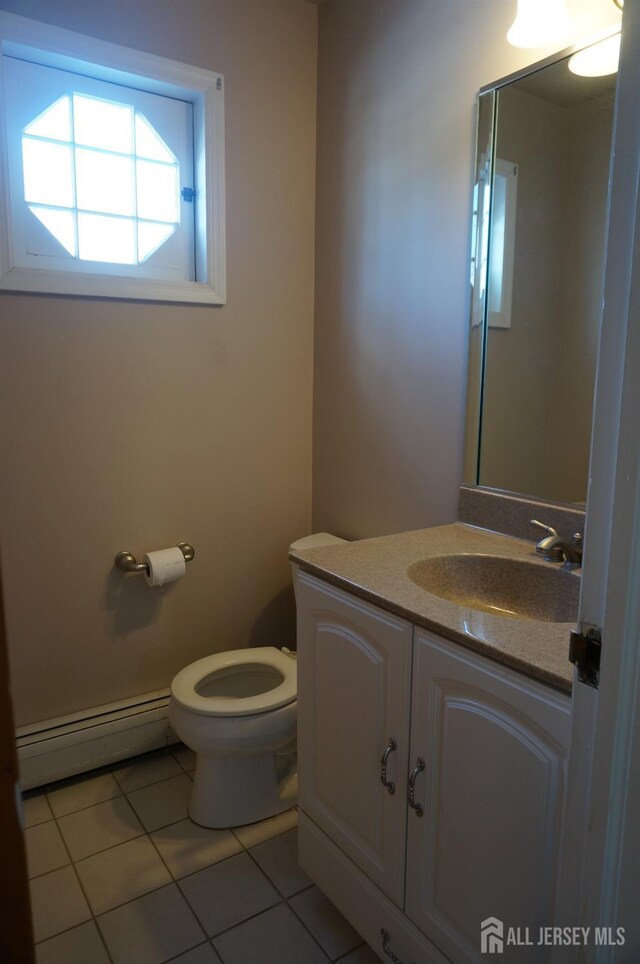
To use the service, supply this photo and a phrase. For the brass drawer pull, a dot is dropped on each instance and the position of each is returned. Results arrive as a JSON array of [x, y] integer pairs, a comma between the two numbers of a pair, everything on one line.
[[419, 767], [386, 939], [389, 784]]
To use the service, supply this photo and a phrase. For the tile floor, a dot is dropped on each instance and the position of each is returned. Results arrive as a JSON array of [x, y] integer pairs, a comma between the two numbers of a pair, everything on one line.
[[120, 875]]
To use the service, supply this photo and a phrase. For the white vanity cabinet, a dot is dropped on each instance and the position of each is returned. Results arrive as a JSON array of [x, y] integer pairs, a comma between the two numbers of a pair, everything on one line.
[[480, 753], [354, 671]]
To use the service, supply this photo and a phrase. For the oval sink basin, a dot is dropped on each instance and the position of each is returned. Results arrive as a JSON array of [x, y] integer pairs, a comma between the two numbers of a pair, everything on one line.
[[513, 588]]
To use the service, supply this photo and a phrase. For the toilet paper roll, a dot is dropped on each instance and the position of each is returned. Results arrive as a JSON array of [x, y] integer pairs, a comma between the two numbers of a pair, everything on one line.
[[165, 565]]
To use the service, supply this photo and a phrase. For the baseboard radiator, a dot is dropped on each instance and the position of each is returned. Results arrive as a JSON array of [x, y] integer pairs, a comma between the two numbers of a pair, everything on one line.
[[62, 747]]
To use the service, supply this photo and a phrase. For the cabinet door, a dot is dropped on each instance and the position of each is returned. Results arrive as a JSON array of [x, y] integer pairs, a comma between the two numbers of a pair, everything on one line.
[[354, 673], [494, 744]]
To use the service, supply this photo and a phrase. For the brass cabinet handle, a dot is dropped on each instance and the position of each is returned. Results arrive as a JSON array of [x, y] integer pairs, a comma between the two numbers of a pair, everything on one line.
[[386, 939], [418, 768], [389, 784]]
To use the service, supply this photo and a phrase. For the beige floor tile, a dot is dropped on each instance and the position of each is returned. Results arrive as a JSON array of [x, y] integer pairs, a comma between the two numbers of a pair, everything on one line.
[[278, 858], [82, 945], [45, 849], [151, 929], [255, 833], [204, 954], [185, 757], [146, 770], [98, 828], [57, 903], [162, 803], [227, 893], [121, 874], [185, 847], [85, 792], [326, 923], [275, 937], [36, 810]]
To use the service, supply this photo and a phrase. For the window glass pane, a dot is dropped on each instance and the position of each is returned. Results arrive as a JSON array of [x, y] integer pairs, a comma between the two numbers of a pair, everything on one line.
[[149, 143], [104, 182], [103, 238], [157, 191], [54, 122], [61, 224], [151, 236], [99, 123], [48, 172]]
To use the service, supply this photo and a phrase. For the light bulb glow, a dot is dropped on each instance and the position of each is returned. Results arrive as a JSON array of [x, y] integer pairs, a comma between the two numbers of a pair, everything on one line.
[[598, 60], [541, 23]]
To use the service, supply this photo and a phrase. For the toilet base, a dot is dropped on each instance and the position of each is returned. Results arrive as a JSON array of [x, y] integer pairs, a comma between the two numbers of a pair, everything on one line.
[[229, 791]]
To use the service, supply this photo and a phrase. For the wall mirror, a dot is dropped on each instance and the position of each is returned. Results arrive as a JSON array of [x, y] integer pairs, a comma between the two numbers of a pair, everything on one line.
[[537, 274]]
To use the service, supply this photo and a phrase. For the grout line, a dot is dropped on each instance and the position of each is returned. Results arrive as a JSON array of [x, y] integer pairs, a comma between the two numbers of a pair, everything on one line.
[[195, 947], [278, 833], [227, 930], [304, 923], [96, 803], [131, 900], [153, 783], [266, 876], [82, 891], [215, 863], [103, 850], [179, 761], [307, 927], [67, 930], [286, 903], [102, 938]]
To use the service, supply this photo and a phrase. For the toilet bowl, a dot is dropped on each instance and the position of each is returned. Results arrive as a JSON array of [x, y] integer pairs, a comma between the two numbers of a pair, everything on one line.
[[237, 710]]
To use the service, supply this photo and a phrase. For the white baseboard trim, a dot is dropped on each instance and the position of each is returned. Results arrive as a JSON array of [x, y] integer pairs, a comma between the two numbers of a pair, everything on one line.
[[62, 747]]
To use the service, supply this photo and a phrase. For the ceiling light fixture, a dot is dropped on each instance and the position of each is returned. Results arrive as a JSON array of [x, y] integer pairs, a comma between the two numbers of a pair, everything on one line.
[[541, 23], [598, 60]]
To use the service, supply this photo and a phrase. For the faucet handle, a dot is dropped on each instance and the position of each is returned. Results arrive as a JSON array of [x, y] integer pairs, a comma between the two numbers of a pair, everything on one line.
[[540, 525]]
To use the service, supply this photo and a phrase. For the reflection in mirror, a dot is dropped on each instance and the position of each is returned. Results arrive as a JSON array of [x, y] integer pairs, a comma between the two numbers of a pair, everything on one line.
[[537, 278]]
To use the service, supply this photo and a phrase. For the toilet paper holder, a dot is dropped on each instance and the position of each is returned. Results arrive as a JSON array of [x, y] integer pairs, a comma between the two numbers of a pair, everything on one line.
[[126, 561]]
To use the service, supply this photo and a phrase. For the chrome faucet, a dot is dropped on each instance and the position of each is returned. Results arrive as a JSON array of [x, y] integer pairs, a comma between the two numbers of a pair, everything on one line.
[[557, 549]]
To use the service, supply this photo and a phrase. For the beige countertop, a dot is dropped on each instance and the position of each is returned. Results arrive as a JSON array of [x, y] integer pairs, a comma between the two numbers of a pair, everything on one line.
[[376, 570]]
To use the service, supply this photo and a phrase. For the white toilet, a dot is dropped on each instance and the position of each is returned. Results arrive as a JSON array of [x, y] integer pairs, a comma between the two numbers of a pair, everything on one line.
[[237, 710]]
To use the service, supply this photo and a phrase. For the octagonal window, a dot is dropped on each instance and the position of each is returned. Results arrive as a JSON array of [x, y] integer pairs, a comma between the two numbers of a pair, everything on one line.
[[100, 179]]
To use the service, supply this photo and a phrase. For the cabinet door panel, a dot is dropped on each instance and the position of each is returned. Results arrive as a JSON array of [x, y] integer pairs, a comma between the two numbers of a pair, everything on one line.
[[494, 745], [354, 666]]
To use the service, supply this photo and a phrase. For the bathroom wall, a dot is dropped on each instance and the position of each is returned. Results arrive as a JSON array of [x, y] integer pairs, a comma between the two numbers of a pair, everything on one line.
[[135, 426], [396, 137]]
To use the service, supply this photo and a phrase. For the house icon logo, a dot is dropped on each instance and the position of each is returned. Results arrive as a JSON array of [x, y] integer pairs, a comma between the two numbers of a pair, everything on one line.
[[491, 936]]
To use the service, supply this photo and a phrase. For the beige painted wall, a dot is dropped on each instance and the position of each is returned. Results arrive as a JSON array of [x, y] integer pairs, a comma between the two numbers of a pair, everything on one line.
[[396, 93], [135, 426]]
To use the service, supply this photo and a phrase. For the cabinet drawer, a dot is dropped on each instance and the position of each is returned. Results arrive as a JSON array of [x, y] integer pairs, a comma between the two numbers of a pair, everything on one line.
[[361, 902]]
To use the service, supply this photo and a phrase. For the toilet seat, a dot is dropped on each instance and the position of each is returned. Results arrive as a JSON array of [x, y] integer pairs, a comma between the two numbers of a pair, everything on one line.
[[185, 685]]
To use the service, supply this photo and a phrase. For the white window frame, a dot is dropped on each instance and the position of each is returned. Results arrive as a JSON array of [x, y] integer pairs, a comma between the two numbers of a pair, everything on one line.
[[503, 249], [41, 43]]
